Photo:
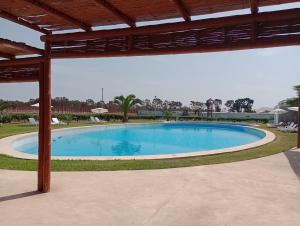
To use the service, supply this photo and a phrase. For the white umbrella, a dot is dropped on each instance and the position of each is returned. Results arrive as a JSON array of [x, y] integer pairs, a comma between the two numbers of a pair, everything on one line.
[[99, 110], [277, 112], [293, 108], [37, 105]]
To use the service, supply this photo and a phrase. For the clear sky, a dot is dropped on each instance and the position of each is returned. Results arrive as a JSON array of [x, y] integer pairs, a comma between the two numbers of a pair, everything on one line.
[[265, 75]]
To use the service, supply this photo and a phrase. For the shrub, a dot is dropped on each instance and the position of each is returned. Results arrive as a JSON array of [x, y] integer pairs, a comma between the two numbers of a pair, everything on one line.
[[7, 118]]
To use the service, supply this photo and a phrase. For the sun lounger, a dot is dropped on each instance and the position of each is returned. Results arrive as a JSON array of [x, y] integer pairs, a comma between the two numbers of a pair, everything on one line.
[[32, 121], [55, 121], [292, 127], [92, 119], [99, 120], [96, 120]]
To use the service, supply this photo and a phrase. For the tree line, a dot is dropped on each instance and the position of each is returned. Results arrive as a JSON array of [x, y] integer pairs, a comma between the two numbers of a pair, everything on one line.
[[214, 105]]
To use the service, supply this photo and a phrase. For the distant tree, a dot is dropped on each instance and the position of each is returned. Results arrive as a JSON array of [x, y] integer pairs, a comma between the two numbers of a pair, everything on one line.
[[172, 104], [197, 107], [218, 104], [229, 104], [239, 105], [147, 104], [90, 102], [3, 105], [166, 104], [209, 105], [247, 104], [100, 104], [175, 104], [33, 101], [126, 103], [168, 114], [157, 103], [185, 111], [112, 106]]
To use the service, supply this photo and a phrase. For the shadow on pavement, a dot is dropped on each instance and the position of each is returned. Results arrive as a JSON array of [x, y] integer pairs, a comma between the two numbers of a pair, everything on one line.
[[294, 158], [19, 196]]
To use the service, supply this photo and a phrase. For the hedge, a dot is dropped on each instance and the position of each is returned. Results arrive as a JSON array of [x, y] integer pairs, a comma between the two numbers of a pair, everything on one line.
[[7, 118]]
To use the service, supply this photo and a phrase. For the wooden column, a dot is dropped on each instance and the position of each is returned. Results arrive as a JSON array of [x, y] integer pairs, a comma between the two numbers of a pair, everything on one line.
[[44, 158], [298, 141]]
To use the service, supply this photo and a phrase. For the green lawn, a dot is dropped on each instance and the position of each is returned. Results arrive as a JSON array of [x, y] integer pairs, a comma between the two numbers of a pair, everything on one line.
[[283, 142]]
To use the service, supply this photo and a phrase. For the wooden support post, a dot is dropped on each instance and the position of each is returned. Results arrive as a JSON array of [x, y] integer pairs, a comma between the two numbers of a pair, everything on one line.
[[44, 158], [298, 142]]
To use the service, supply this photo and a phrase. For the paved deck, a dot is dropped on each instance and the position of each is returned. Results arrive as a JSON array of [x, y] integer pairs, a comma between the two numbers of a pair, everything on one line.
[[257, 192]]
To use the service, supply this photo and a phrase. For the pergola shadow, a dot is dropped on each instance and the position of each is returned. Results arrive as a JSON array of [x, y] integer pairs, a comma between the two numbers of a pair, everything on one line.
[[294, 159], [19, 196]]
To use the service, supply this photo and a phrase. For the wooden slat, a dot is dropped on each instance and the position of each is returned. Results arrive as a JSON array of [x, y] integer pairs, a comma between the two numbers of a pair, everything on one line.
[[7, 56], [241, 45], [60, 14], [73, 14], [23, 61], [206, 23], [180, 40], [19, 73], [20, 79], [182, 9], [22, 22], [121, 15]]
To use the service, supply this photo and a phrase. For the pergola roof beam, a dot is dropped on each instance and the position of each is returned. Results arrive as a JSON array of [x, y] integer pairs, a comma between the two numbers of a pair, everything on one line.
[[254, 10], [60, 14], [171, 27], [7, 56], [22, 47], [182, 9], [242, 45], [118, 13], [254, 6], [18, 20]]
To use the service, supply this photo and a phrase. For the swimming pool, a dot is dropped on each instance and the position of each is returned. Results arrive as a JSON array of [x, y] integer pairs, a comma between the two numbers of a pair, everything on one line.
[[145, 139]]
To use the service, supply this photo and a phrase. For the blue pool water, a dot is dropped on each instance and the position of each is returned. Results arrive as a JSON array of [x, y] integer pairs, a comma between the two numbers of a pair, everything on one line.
[[150, 139]]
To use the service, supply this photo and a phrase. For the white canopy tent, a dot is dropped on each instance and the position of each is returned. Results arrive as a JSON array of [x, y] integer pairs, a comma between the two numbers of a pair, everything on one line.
[[99, 110], [293, 108], [37, 105], [277, 112]]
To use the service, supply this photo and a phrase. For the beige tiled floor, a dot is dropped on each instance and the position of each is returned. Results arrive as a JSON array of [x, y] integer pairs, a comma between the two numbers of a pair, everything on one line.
[[257, 192]]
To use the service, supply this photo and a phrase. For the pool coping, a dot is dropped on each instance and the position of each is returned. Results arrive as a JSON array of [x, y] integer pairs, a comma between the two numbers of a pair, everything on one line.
[[8, 149]]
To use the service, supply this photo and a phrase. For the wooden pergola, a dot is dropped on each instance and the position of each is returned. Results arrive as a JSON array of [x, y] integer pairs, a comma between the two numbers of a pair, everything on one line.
[[81, 29]]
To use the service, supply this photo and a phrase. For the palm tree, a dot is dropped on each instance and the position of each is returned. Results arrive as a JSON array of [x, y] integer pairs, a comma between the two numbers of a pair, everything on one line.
[[297, 89], [126, 103]]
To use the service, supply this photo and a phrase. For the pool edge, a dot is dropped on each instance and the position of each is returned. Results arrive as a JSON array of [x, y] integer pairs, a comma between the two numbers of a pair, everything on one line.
[[7, 148]]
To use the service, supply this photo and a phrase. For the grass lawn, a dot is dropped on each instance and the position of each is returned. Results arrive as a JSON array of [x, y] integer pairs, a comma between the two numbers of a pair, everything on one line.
[[283, 142]]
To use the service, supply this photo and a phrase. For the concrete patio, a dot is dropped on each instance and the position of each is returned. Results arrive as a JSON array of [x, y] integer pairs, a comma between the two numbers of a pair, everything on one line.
[[264, 191]]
